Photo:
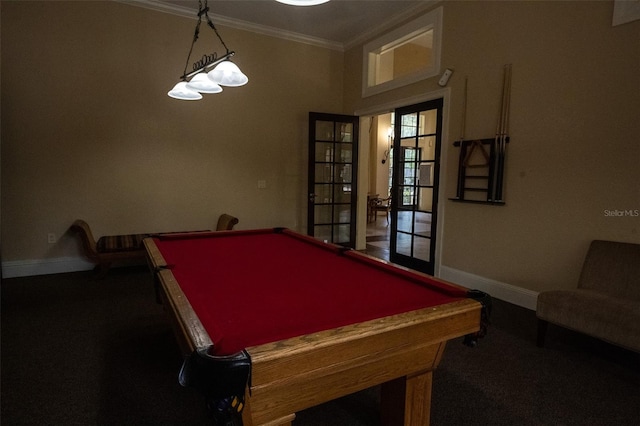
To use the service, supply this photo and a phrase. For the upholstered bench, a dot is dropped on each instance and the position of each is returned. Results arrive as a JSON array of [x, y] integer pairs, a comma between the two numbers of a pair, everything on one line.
[[117, 248], [606, 304], [109, 249]]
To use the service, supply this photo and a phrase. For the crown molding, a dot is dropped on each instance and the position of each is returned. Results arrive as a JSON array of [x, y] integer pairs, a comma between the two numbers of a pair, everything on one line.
[[186, 12], [410, 13]]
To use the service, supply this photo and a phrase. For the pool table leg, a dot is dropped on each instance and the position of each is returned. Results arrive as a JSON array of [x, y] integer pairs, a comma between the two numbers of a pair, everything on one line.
[[247, 419], [407, 400]]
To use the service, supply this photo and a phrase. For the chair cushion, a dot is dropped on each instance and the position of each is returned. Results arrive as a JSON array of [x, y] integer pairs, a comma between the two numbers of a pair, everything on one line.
[[612, 319], [119, 243]]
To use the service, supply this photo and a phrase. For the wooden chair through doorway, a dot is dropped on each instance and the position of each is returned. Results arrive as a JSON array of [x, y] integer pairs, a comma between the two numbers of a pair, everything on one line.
[[380, 205]]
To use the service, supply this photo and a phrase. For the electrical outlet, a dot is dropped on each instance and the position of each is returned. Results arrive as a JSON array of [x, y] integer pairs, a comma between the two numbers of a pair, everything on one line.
[[262, 184], [51, 238]]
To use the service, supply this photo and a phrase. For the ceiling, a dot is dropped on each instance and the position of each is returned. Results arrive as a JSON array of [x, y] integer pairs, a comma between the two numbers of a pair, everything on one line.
[[338, 24]]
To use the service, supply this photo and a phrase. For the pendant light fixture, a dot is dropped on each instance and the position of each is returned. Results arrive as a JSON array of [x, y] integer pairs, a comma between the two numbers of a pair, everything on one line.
[[209, 73]]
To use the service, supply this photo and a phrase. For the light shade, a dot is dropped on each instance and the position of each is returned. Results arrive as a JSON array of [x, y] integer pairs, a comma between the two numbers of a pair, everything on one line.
[[226, 73], [302, 2], [181, 91], [203, 84]]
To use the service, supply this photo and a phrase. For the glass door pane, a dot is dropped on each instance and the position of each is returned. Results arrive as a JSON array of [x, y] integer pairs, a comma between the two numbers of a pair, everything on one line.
[[415, 185], [332, 177]]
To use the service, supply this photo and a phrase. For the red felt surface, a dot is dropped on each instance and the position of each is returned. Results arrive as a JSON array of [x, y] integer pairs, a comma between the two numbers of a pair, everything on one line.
[[259, 287]]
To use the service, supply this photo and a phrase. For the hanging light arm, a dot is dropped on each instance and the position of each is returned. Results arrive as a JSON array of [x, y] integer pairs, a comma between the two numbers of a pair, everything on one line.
[[206, 63]]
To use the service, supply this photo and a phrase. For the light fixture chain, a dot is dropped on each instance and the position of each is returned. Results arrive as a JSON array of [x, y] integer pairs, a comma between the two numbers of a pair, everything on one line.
[[195, 38], [206, 59], [213, 27]]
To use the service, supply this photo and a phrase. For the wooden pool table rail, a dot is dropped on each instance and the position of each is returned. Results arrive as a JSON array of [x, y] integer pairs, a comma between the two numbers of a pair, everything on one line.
[[298, 373]]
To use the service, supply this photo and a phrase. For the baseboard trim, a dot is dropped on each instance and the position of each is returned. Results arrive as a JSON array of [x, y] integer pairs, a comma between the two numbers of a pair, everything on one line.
[[507, 292], [27, 268]]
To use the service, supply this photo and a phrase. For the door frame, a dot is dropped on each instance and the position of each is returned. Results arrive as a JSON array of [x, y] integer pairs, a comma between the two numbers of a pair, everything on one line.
[[365, 115]]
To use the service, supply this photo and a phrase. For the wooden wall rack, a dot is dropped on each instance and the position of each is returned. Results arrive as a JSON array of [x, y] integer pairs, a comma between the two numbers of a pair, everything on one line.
[[480, 175]]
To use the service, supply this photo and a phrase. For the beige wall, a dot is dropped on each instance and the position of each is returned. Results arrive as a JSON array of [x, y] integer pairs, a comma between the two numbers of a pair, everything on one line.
[[575, 149], [89, 132]]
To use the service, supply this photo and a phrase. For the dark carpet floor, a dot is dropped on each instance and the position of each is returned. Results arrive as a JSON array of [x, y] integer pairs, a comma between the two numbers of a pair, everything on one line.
[[79, 351]]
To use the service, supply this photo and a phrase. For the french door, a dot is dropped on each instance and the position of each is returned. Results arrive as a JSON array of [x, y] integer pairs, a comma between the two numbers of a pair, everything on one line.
[[414, 199], [333, 156]]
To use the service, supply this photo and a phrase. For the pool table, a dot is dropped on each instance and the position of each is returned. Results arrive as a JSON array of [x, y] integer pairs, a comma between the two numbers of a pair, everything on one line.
[[317, 321]]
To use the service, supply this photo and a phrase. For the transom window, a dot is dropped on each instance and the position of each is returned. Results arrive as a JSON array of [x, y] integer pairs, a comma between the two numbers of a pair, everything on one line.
[[404, 56]]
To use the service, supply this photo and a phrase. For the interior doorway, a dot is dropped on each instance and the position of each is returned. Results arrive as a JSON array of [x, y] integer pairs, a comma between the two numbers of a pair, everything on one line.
[[379, 185], [405, 148]]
